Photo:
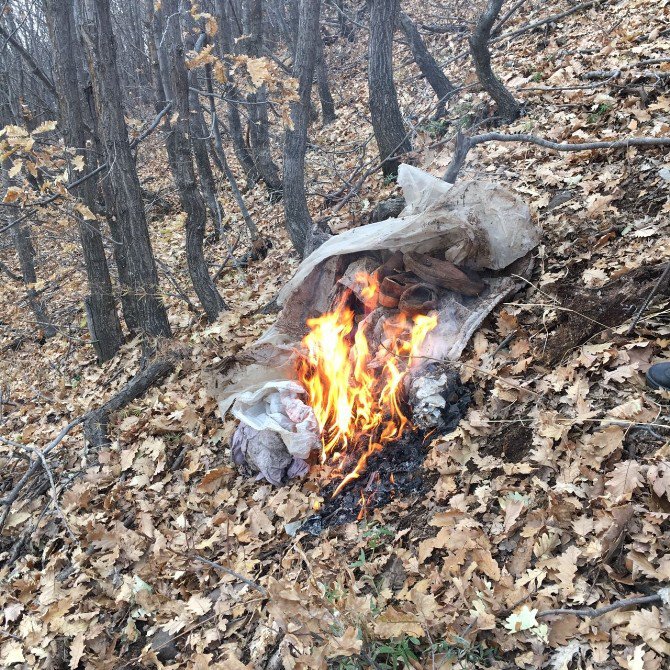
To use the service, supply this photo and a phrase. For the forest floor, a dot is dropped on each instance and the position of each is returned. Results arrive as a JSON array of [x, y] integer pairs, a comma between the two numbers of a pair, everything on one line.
[[553, 492]]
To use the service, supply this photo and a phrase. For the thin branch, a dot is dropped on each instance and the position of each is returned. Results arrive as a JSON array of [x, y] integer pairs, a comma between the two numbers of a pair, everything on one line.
[[232, 573], [40, 203], [638, 315], [218, 566], [41, 458], [550, 19], [35, 68], [464, 144], [591, 612]]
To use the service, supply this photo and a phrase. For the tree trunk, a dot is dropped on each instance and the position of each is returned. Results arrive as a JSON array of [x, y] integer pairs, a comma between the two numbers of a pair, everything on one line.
[[24, 247], [199, 137], [226, 49], [298, 219], [26, 254], [346, 28], [103, 320], [327, 103], [389, 129], [139, 278], [427, 64], [184, 174], [508, 108], [259, 124]]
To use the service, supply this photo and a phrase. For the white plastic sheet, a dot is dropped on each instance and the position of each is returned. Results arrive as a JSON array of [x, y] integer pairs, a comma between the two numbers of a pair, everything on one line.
[[276, 407]]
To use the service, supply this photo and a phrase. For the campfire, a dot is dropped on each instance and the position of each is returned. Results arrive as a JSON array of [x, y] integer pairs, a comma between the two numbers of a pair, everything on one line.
[[356, 358], [356, 393], [356, 372]]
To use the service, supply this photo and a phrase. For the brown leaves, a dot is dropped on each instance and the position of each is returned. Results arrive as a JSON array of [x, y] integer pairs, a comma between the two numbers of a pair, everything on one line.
[[624, 480]]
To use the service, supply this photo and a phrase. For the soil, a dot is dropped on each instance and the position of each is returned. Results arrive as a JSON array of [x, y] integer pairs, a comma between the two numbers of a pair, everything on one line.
[[586, 312], [513, 443]]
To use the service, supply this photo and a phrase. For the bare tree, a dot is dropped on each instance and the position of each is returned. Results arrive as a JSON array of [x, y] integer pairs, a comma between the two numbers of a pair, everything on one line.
[[143, 307], [387, 122], [325, 96], [508, 108], [226, 48], [199, 139], [103, 320], [182, 160], [298, 218], [427, 64], [259, 125]]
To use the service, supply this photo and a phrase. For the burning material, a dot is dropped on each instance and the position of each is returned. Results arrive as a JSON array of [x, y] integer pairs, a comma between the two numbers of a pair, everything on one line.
[[376, 314], [354, 393]]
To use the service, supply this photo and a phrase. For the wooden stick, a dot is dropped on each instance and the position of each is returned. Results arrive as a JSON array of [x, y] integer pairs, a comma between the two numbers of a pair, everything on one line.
[[591, 612], [649, 298]]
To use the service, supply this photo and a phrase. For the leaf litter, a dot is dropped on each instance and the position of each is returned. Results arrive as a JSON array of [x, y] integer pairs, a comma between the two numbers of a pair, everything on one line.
[[553, 491]]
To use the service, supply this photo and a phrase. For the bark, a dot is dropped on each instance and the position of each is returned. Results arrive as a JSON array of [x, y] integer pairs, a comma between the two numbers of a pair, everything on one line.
[[259, 124], [199, 137], [226, 49], [346, 27], [26, 254], [427, 64], [182, 162], [102, 317], [298, 219], [327, 103], [508, 108], [139, 277], [389, 129]]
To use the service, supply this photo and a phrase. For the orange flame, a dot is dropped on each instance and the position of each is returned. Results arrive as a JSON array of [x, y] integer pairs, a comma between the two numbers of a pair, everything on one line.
[[356, 397]]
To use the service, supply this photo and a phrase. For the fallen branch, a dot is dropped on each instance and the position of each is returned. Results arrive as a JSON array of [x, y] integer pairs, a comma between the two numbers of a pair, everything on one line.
[[610, 74], [649, 298], [232, 573], [218, 566], [526, 27], [657, 599], [550, 19], [18, 487], [96, 421], [95, 425], [41, 458], [464, 144]]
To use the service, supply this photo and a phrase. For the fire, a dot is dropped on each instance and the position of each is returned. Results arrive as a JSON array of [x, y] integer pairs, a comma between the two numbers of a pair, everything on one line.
[[355, 394]]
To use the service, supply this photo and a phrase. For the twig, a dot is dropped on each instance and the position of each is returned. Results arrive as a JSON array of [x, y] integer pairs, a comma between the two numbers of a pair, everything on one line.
[[504, 343], [180, 292], [649, 298], [88, 175], [464, 144], [232, 573], [549, 19], [221, 568], [54, 492], [591, 612]]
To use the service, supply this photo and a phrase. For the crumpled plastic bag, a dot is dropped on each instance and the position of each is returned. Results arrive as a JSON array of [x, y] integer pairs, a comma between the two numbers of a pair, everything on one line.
[[264, 452], [276, 407], [480, 222]]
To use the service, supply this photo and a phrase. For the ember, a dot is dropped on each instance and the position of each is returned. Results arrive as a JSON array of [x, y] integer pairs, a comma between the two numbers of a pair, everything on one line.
[[355, 393]]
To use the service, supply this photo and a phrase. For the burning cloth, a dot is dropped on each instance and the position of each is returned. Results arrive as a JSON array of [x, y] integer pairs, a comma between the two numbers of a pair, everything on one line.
[[364, 321]]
